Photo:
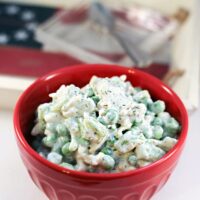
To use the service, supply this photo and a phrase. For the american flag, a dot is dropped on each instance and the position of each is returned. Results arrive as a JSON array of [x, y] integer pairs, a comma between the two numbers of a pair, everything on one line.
[[18, 23], [20, 53]]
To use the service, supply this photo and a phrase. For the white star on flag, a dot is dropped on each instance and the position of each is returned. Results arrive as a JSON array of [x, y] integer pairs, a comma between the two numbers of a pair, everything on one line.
[[21, 35], [27, 15], [12, 10], [31, 26], [3, 38]]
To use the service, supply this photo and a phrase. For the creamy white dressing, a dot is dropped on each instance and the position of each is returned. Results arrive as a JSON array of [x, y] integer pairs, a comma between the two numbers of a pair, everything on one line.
[[104, 125]]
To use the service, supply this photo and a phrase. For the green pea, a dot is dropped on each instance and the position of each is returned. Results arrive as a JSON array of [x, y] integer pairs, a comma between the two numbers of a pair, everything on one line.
[[147, 131], [172, 127], [62, 130], [59, 143], [132, 159], [157, 107], [142, 97], [96, 99], [101, 120], [111, 116], [168, 134], [158, 132], [157, 121], [108, 162], [49, 140], [67, 165], [65, 149], [108, 151], [89, 92], [146, 100]]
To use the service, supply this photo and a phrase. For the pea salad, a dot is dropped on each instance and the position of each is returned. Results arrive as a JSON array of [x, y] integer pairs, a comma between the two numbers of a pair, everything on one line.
[[106, 126]]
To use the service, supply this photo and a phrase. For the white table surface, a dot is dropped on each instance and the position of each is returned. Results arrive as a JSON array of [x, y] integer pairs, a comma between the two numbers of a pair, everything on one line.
[[15, 183]]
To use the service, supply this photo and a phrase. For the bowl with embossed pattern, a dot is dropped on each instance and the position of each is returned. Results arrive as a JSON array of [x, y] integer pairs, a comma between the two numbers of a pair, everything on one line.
[[59, 183]]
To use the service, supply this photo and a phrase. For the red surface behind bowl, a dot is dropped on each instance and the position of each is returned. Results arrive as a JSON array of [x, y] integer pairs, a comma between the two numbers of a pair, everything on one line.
[[62, 184]]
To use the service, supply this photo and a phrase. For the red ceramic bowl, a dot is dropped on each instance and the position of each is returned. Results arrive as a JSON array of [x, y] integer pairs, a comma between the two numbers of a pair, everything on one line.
[[59, 183]]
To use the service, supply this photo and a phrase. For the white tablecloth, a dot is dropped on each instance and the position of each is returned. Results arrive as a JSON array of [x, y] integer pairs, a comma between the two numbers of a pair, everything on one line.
[[15, 183]]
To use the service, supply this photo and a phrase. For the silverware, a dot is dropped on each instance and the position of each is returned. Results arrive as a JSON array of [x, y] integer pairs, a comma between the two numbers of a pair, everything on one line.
[[101, 15]]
